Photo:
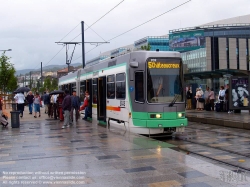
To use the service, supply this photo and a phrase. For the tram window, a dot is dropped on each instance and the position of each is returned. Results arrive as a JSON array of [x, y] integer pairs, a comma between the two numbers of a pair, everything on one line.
[[139, 87], [120, 86], [82, 90], [111, 87], [94, 86]]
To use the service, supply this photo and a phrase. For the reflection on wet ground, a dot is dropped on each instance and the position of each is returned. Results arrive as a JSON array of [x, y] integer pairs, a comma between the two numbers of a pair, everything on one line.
[[113, 158], [218, 144]]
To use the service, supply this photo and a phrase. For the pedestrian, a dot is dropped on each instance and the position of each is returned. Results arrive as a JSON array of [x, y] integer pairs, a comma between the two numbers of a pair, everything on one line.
[[50, 108], [206, 95], [221, 97], [189, 99], [75, 105], [200, 100], [46, 101], [59, 104], [53, 100], [66, 106], [20, 102], [30, 99], [211, 98], [86, 104], [37, 104]]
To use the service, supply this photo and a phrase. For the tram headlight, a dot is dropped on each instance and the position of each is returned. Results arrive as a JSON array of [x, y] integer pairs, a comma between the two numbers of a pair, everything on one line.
[[158, 115], [181, 115]]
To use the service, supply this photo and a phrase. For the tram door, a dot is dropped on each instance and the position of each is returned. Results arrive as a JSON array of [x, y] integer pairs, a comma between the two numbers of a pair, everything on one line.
[[101, 102], [89, 89]]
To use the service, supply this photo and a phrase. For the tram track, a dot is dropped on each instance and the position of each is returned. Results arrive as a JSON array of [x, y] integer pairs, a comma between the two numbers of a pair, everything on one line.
[[189, 151]]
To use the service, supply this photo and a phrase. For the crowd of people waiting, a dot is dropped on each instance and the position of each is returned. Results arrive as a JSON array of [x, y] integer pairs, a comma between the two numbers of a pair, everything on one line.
[[58, 106], [206, 99]]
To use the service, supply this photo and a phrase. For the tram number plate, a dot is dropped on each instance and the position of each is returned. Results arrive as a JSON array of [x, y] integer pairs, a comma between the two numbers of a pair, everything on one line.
[[122, 104]]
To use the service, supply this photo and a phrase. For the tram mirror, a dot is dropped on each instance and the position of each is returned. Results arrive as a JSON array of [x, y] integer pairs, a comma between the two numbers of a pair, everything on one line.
[[134, 64]]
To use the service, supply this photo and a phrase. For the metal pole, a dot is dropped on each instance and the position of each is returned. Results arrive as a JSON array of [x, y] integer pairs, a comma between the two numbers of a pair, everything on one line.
[[30, 80], [41, 74], [83, 46], [213, 60], [25, 80]]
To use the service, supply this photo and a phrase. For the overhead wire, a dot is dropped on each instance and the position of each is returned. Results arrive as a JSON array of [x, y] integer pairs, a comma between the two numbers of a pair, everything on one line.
[[99, 20], [70, 32], [138, 26]]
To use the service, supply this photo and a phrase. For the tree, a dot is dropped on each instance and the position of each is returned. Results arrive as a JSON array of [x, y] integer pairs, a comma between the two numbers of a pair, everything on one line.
[[146, 48], [54, 85], [47, 83], [8, 81]]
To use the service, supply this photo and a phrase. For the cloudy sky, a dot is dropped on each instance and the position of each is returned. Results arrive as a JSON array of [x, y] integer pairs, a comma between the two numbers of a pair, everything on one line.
[[31, 27]]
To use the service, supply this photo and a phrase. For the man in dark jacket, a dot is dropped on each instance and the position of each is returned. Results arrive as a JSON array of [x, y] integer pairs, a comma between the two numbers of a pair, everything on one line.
[[30, 99], [46, 101], [75, 105], [66, 107]]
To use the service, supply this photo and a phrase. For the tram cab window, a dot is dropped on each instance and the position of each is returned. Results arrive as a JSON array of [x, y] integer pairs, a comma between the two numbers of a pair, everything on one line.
[[163, 81], [139, 87], [82, 90], [111, 87], [94, 86], [120, 86]]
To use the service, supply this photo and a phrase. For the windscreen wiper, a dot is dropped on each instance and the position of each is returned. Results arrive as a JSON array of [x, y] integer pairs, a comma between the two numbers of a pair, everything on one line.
[[174, 100]]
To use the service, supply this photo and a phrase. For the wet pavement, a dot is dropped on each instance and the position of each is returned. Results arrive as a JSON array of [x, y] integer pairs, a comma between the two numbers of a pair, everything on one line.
[[236, 120], [40, 153]]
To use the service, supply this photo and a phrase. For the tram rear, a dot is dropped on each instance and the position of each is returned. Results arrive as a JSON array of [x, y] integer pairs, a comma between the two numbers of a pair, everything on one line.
[[157, 93]]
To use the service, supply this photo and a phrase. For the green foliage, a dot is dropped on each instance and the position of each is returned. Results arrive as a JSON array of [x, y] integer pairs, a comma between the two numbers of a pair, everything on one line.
[[54, 85], [8, 81], [47, 83], [146, 48]]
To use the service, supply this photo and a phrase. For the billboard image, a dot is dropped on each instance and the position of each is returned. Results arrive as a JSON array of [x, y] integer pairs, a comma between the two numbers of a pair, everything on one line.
[[187, 41], [239, 93]]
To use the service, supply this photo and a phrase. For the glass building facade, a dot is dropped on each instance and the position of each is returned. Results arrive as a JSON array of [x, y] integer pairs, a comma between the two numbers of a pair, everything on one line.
[[160, 43], [195, 60]]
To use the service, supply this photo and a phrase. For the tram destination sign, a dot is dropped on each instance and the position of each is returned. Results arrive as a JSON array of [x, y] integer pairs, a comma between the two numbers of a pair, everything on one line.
[[163, 65]]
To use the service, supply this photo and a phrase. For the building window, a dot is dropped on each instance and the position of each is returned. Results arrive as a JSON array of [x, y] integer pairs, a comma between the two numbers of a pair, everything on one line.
[[139, 87], [120, 86], [111, 87]]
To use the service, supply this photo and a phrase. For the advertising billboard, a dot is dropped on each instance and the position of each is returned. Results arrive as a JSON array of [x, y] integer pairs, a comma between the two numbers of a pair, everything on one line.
[[239, 93], [187, 41]]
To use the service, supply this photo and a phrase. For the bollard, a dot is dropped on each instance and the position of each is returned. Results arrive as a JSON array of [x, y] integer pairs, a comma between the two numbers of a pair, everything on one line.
[[14, 106], [15, 121]]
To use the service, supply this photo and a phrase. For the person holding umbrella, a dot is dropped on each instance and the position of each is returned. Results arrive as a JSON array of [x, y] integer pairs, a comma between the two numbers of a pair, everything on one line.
[[20, 102]]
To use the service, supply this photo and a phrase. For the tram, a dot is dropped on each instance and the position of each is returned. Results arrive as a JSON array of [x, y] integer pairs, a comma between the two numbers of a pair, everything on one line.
[[141, 91]]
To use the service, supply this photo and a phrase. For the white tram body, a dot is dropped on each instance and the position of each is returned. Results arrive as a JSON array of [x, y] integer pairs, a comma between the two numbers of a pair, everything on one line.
[[124, 91]]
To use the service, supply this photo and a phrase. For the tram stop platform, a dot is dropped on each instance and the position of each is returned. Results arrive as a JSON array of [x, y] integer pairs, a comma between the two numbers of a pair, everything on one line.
[[40, 153], [235, 120]]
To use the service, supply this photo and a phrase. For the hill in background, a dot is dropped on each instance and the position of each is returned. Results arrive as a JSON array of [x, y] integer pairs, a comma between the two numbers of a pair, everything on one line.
[[46, 68]]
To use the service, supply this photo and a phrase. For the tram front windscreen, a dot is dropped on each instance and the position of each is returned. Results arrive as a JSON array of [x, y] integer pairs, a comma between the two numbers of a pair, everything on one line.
[[164, 80]]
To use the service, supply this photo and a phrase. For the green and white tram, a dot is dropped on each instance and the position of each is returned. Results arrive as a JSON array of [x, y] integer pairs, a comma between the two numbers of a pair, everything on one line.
[[141, 91]]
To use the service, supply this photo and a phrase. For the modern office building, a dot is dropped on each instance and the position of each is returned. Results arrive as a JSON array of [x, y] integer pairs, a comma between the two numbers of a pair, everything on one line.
[[214, 51], [160, 43]]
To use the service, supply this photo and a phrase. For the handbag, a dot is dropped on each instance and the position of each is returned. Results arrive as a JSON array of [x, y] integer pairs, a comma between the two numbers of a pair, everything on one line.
[[201, 100], [221, 97]]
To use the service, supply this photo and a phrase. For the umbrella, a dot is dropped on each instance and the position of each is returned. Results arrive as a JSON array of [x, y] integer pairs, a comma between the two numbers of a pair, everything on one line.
[[22, 89], [56, 92]]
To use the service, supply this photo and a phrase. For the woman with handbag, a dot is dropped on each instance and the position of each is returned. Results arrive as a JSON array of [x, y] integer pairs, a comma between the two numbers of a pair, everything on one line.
[[37, 104], [200, 99]]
